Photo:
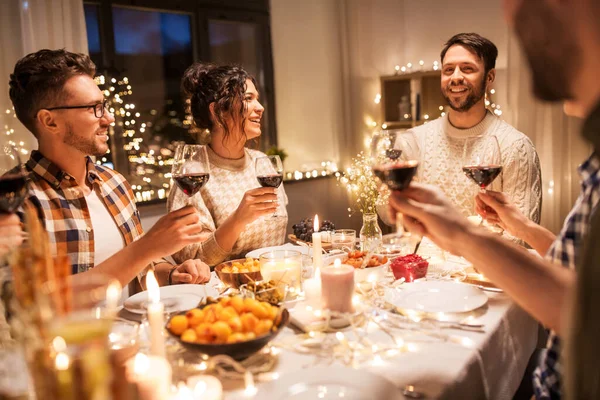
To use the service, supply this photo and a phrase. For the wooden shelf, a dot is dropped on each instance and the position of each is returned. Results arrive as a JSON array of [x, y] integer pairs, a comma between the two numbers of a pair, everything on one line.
[[422, 87]]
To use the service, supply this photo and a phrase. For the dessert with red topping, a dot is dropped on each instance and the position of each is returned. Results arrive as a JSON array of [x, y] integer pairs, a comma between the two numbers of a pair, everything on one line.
[[409, 267]]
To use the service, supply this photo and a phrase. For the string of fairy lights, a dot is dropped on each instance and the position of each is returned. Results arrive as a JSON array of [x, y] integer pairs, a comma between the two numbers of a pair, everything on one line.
[[149, 160]]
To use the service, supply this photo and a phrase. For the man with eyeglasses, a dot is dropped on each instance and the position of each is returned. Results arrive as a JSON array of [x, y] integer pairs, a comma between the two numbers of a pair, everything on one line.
[[89, 210]]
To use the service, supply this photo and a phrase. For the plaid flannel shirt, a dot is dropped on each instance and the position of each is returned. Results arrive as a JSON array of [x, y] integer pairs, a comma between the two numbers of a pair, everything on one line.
[[62, 207], [566, 250]]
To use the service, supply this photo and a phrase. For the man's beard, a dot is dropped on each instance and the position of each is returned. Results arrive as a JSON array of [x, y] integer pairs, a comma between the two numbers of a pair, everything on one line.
[[89, 147], [553, 58], [475, 95]]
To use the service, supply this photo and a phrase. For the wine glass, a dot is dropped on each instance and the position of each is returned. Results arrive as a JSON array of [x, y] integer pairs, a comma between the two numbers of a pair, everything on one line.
[[269, 172], [191, 169], [482, 162], [395, 159]]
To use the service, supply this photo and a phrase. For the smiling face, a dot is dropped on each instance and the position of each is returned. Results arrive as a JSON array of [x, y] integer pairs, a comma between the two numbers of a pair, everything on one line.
[[464, 79], [253, 112], [82, 130]]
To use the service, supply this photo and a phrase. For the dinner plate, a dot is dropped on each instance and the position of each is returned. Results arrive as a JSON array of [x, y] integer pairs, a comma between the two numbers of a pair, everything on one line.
[[288, 246], [174, 297], [436, 296], [330, 383]]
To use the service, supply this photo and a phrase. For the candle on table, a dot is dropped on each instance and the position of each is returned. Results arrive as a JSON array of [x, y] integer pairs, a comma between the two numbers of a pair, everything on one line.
[[312, 289], [337, 285], [155, 317], [205, 387], [64, 376], [317, 248], [152, 376]]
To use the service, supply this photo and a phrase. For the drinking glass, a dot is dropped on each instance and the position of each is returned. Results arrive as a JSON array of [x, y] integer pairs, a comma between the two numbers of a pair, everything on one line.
[[269, 172], [191, 169], [395, 158], [70, 357], [284, 267], [482, 163], [343, 239]]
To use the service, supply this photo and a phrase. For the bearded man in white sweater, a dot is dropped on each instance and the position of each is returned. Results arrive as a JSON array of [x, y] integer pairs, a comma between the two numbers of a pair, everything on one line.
[[468, 71]]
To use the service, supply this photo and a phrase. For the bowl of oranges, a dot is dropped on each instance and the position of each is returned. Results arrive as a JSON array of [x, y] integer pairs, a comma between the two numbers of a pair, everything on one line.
[[234, 326], [235, 273]]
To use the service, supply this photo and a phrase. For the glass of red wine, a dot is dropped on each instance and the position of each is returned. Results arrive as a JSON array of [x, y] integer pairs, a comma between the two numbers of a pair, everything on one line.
[[13, 180], [269, 172], [191, 169], [482, 162], [394, 160]]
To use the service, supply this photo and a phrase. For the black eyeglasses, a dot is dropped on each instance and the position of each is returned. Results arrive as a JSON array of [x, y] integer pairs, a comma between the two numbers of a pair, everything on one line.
[[98, 108]]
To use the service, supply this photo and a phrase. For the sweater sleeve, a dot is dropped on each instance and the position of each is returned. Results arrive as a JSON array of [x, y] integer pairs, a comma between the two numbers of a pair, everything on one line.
[[522, 180], [206, 248]]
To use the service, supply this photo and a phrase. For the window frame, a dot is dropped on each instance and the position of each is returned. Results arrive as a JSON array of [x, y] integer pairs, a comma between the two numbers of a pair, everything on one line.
[[202, 11]]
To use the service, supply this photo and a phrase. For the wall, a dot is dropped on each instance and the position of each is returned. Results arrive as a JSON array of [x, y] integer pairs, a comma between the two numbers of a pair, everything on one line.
[[308, 84]]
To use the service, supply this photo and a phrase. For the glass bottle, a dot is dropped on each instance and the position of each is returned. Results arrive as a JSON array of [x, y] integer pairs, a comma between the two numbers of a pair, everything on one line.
[[370, 233]]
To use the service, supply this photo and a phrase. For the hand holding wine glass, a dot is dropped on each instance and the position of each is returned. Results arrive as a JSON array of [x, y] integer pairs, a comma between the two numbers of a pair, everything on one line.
[[191, 169], [269, 172]]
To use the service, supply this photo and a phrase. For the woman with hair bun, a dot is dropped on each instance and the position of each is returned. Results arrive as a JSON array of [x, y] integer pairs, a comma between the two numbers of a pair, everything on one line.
[[234, 210]]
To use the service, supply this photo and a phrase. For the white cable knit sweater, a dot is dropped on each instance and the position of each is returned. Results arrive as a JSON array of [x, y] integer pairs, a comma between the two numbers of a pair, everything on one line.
[[218, 199], [441, 147]]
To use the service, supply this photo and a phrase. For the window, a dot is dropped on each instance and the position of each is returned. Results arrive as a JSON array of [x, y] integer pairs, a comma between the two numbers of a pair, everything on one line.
[[142, 49]]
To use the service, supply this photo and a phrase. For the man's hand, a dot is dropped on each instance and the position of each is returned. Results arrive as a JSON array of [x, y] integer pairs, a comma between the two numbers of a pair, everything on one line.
[[11, 234], [427, 212], [497, 209], [172, 232], [191, 271]]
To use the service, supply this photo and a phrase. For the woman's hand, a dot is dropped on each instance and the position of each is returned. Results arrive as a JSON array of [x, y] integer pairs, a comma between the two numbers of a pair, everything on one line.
[[191, 271], [255, 204]]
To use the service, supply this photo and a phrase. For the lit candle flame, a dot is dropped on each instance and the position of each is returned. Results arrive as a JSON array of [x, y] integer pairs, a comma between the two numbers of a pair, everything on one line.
[[59, 344], [316, 224], [61, 362], [200, 388], [337, 262], [153, 289], [113, 292]]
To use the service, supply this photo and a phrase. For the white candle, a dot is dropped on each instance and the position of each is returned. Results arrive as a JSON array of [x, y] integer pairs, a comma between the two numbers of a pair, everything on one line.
[[317, 248], [205, 387], [155, 317], [152, 376], [312, 289]]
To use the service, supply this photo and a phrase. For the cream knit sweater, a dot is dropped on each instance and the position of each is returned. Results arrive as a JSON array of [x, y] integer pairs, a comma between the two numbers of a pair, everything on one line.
[[218, 199], [441, 147]]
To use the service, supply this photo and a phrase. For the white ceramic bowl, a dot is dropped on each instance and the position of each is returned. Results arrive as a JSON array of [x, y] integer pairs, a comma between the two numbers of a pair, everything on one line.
[[373, 274]]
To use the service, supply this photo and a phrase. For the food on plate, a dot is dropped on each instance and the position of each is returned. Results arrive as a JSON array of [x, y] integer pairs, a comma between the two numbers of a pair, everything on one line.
[[409, 267], [230, 320], [250, 265], [265, 291], [304, 229], [356, 259]]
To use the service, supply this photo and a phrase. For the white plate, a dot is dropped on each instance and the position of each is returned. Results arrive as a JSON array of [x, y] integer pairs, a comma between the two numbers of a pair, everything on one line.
[[330, 383], [288, 246], [175, 298], [436, 296]]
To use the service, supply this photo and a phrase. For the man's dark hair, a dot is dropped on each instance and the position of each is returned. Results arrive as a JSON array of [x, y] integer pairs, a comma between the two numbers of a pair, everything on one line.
[[482, 47], [39, 78]]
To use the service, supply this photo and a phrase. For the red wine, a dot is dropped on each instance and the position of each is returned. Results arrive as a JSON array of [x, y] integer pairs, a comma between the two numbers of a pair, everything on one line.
[[397, 176], [482, 175], [191, 183], [13, 190], [270, 180]]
